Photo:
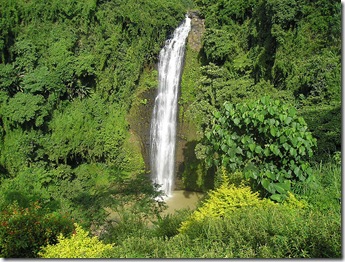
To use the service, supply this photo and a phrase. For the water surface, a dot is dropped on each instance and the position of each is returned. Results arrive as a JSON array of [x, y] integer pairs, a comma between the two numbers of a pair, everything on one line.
[[180, 199]]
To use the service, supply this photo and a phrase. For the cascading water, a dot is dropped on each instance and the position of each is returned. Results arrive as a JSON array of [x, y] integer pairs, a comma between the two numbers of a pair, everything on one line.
[[163, 124]]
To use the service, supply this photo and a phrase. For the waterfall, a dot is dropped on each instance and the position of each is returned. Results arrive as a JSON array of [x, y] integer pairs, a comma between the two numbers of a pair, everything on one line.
[[163, 123]]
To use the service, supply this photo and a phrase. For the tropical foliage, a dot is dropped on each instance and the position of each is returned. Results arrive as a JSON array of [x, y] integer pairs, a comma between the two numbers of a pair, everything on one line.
[[25, 230], [79, 245], [265, 139], [260, 118]]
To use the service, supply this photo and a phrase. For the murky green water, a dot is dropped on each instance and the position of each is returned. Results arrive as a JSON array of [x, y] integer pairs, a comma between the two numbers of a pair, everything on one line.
[[182, 199]]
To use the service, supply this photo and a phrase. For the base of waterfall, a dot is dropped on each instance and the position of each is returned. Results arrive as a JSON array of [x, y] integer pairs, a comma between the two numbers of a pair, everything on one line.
[[180, 199]]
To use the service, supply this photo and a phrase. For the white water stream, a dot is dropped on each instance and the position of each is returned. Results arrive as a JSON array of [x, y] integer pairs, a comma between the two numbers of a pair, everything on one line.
[[163, 124]]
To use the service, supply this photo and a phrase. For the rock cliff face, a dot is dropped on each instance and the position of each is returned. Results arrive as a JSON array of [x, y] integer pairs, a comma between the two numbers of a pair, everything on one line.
[[186, 131], [196, 32], [139, 120]]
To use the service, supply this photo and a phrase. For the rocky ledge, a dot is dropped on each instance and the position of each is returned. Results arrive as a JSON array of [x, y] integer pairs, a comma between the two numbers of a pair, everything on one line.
[[197, 30]]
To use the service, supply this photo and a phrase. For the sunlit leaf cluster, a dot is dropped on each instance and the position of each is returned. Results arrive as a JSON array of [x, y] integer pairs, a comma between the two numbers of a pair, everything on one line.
[[266, 139]]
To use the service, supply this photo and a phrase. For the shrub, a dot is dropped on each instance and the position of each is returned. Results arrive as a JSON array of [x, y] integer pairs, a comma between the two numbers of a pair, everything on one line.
[[24, 230], [168, 225], [223, 201], [276, 232], [324, 192], [79, 245], [234, 222], [266, 139], [139, 247]]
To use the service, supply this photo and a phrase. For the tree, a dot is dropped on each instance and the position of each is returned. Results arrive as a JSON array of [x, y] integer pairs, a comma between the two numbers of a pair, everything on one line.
[[264, 138], [25, 110], [24, 231]]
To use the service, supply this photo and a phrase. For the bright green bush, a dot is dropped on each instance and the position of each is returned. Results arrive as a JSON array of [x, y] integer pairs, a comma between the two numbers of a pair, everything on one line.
[[223, 201], [266, 139], [24, 230], [79, 245]]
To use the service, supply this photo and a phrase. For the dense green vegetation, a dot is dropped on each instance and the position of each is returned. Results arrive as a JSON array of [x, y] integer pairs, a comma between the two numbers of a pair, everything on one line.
[[261, 103], [68, 70], [266, 140]]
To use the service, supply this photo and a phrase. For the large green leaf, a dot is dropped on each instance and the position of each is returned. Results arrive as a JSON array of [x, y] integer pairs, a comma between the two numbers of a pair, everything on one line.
[[282, 188], [277, 197], [265, 183], [251, 147]]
